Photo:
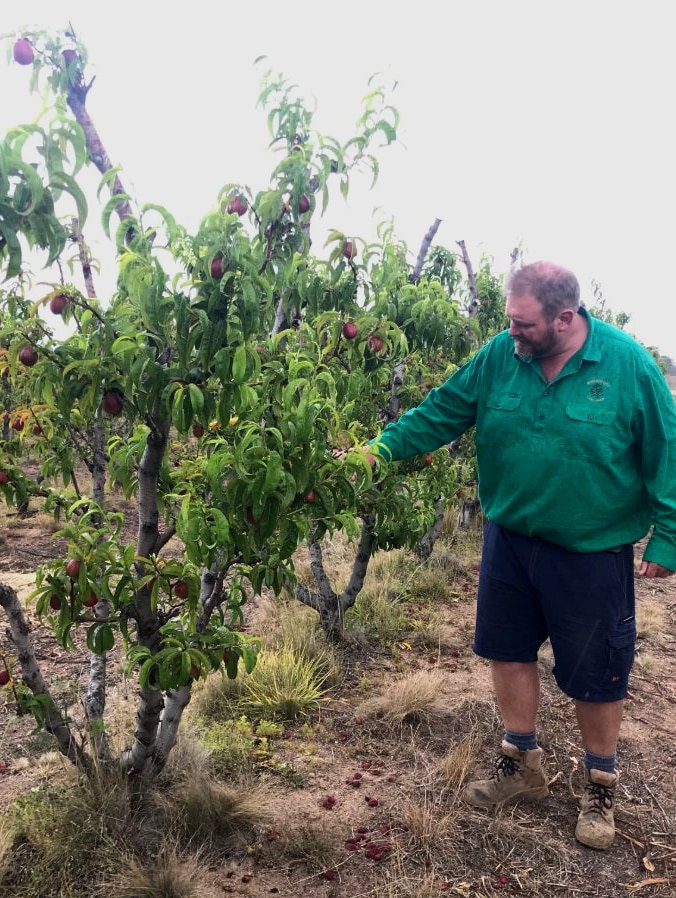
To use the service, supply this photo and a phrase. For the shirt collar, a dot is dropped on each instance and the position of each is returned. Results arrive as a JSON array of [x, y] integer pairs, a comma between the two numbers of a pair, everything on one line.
[[590, 350]]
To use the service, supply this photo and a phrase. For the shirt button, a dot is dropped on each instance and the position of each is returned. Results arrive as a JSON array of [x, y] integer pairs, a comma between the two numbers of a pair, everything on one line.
[[591, 417], [541, 417]]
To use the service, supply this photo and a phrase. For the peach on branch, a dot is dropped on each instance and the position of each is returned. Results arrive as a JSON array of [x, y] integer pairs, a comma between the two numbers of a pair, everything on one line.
[[113, 401], [23, 51], [28, 356], [58, 303]]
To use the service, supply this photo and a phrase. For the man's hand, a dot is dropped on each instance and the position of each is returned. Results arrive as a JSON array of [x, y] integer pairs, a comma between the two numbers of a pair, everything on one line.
[[339, 454], [651, 569]]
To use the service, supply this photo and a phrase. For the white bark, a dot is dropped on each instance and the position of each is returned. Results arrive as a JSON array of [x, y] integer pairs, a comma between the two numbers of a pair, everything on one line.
[[54, 722]]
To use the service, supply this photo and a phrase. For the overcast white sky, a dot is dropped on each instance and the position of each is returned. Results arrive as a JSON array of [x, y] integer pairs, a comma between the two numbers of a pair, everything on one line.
[[541, 124]]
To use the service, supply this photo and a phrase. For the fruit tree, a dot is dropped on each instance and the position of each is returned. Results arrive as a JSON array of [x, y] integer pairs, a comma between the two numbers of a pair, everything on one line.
[[213, 387]]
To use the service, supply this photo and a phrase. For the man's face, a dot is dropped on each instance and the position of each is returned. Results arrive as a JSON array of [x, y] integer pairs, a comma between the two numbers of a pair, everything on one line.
[[534, 336]]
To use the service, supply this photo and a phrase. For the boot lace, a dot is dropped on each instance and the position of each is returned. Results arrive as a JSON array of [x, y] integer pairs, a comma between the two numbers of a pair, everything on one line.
[[505, 766], [600, 797]]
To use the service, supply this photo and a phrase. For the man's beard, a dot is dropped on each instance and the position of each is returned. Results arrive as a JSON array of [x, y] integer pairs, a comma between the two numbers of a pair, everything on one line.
[[536, 349]]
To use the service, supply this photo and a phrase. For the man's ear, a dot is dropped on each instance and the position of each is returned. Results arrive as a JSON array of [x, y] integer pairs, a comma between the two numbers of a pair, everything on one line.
[[566, 317]]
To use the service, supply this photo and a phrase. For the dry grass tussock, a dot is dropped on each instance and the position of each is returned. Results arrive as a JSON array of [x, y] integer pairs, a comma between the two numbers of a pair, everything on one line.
[[311, 845], [63, 838], [188, 759], [66, 836], [400, 882], [394, 567], [7, 837], [451, 843], [431, 635], [288, 624], [338, 555], [205, 811], [650, 619], [169, 874], [455, 767], [430, 822], [414, 698]]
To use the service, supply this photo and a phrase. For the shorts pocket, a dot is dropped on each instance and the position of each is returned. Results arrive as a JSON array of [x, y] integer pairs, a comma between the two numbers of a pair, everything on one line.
[[620, 657]]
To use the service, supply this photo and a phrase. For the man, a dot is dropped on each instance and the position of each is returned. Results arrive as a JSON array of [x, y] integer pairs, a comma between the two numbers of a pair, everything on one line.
[[576, 451]]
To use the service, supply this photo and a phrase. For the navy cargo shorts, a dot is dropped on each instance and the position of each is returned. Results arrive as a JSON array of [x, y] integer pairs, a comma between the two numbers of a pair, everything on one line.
[[531, 590]]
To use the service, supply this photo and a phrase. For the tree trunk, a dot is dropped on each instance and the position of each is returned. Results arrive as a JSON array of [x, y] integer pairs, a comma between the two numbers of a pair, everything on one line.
[[177, 700], [331, 606], [54, 722], [468, 513], [426, 545], [95, 699], [134, 760]]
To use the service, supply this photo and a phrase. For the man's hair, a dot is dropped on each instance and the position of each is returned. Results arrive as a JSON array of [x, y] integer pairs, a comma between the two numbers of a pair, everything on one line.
[[554, 287]]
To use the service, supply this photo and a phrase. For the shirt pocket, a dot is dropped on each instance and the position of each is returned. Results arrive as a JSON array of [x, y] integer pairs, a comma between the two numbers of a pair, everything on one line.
[[500, 420], [508, 402], [590, 429]]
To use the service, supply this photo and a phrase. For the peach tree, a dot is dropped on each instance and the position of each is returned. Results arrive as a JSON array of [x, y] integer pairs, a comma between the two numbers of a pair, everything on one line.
[[213, 387]]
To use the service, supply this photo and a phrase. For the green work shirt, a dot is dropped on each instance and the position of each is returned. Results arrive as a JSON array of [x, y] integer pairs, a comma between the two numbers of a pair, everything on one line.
[[587, 461]]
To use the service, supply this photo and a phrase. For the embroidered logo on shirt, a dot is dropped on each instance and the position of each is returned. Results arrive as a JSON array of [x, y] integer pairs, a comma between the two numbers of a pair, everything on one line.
[[596, 388]]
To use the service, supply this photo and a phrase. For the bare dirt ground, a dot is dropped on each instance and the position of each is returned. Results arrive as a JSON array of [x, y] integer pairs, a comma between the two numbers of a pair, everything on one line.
[[430, 842]]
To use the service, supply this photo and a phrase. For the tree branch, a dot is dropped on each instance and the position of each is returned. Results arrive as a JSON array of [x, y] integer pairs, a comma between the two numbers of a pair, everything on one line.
[[414, 276], [54, 722], [473, 306]]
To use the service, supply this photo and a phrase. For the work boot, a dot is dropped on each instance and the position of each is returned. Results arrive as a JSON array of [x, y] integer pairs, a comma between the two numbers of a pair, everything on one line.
[[518, 774], [595, 824]]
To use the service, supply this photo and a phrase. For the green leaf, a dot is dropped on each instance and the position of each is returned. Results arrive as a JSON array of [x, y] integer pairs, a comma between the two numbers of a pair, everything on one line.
[[239, 365], [62, 181], [233, 663], [13, 248], [273, 473], [196, 399], [109, 208], [108, 179]]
